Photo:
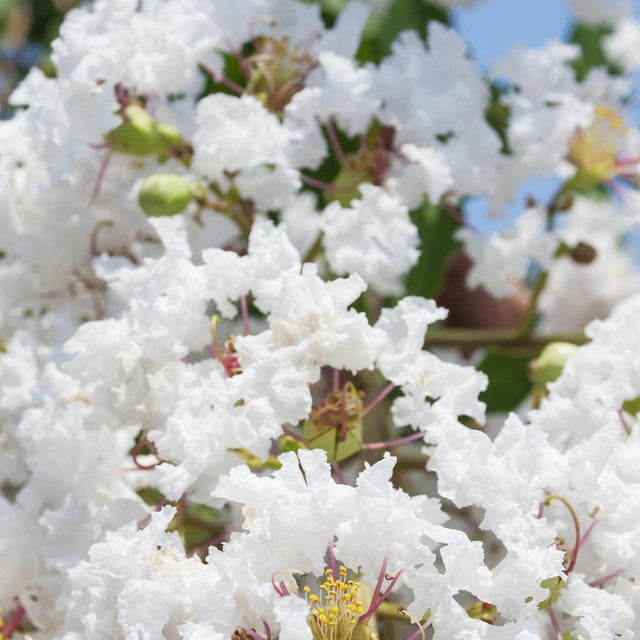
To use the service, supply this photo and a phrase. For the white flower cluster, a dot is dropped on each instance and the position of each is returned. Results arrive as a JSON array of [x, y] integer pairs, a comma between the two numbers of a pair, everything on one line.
[[215, 216]]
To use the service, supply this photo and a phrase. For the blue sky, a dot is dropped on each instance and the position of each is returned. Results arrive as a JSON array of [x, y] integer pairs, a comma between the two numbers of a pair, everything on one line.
[[490, 29]]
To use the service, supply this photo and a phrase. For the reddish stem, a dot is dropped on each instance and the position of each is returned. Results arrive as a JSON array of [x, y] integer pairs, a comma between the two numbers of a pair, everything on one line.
[[13, 621], [379, 398], [554, 623], [245, 315], [312, 182], [392, 443], [600, 582], [336, 380], [335, 143]]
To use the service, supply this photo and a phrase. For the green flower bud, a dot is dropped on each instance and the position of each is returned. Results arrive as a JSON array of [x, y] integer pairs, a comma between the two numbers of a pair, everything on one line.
[[164, 194], [548, 366], [170, 141], [137, 135]]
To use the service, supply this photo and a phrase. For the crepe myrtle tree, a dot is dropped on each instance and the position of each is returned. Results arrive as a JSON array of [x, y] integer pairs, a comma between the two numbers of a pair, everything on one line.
[[261, 378]]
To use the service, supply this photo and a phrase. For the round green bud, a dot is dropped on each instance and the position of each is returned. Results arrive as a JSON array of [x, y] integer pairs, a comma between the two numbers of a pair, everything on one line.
[[548, 366], [169, 140], [137, 135], [164, 194]]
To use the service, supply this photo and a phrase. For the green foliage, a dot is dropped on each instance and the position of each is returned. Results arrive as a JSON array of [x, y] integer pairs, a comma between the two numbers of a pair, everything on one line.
[[497, 115], [509, 382], [435, 228], [590, 40], [382, 29]]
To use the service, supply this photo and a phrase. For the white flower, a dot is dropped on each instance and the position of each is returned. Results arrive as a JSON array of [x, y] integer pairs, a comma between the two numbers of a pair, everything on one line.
[[501, 260], [375, 238]]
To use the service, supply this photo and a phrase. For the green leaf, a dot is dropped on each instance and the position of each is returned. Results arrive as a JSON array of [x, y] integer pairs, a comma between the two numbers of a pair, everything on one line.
[[590, 39], [509, 383], [435, 228], [382, 29], [498, 115]]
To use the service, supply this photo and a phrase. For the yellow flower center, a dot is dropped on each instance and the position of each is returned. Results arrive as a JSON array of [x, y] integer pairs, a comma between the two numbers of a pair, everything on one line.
[[335, 612]]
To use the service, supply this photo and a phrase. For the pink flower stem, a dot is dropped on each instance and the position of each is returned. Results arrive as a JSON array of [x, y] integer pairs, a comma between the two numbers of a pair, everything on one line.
[[102, 172], [392, 443], [338, 472], [600, 582], [223, 80], [624, 162], [335, 143], [312, 182], [245, 315], [576, 524], [332, 558], [625, 425], [419, 631], [587, 533], [379, 398], [336, 380], [293, 434], [376, 591], [13, 621], [554, 623]]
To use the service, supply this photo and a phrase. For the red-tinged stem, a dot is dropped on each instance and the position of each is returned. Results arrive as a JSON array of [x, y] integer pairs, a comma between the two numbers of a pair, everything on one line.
[[587, 533], [336, 380], [13, 621], [576, 524], [626, 162], [338, 472], [379, 398], [387, 591], [102, 172], [312, 182], [625, 425], [332, 558], [554, 623], [419, 631], [335, 143], [600, 582], [376, 591], [280, 588], [293, 434], [393, 443], [245, 315], [223, 80], [254, 634]]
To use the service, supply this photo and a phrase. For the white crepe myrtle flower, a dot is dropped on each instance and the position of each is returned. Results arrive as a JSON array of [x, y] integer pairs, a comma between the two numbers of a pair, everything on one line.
[[577, 293], [621, 45], [420, 171], [374, 238], [501, 260], [239, 134]]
